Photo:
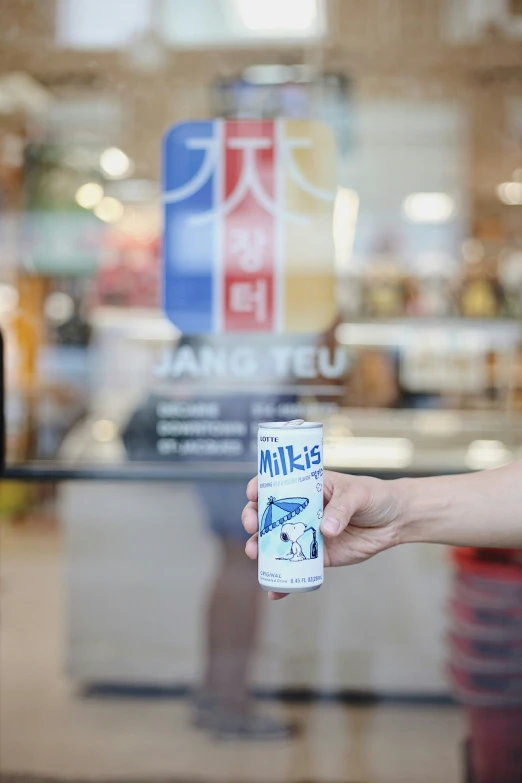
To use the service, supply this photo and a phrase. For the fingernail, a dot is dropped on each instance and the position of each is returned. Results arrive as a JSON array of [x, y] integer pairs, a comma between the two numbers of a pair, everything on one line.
[[330, 525]]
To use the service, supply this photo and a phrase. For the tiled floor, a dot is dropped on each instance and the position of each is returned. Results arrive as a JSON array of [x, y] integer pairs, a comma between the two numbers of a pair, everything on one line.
[[49, 729]]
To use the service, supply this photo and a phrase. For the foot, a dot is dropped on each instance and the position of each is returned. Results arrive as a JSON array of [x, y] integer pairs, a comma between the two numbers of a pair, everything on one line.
[[205, 710], [243, 724], [252, 726]]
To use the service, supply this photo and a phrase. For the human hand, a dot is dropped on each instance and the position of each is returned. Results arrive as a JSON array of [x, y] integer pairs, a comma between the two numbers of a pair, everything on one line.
[[361, 518]]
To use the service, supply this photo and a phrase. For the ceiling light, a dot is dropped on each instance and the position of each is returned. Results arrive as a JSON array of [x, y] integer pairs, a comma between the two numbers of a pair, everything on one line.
[[89, 195], [510, 193], [428, 207], [279, 74], [104, 430], [115, 163], [109, 210], [59, 307], [277, 15]]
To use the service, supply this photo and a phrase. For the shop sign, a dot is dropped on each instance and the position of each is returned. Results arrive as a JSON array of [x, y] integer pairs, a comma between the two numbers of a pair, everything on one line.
[[278, 362], [220, 427], [248, 209]]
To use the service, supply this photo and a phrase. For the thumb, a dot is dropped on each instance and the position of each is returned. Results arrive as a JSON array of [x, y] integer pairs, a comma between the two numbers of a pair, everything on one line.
[[347, 498]]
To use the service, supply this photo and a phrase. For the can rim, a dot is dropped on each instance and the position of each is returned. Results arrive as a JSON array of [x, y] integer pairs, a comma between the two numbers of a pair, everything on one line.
[[289, 425]]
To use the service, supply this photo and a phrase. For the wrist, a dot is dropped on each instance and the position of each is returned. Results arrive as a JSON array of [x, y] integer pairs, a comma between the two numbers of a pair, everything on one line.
[[421, 504]]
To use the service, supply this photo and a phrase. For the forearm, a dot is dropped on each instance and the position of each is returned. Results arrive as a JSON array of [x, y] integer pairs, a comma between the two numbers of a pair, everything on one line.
[[478, 509]]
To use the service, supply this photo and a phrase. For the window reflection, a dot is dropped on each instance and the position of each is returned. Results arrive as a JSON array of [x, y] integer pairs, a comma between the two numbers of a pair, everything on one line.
[[405, 341]]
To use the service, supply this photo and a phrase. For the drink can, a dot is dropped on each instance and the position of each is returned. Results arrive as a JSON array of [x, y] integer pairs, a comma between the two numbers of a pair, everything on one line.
[[290, 506]]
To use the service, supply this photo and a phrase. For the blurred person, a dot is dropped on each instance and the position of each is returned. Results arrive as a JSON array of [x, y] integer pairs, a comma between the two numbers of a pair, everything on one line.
[[223, 703], [364, 516], [233, 618], [373, 381]]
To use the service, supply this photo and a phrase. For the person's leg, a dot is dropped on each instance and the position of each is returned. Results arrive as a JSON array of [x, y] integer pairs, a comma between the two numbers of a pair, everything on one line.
[[232, 623], [233, 616]]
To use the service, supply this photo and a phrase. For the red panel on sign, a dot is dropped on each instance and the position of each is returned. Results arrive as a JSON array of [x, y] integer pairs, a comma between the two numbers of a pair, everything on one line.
[[249, 226]]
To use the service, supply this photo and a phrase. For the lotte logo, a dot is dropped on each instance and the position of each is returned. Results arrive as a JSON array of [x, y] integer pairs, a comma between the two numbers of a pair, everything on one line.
[[248, 226]]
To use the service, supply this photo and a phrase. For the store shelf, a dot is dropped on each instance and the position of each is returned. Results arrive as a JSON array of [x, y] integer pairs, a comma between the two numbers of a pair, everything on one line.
[[55, 472], [485, 334]]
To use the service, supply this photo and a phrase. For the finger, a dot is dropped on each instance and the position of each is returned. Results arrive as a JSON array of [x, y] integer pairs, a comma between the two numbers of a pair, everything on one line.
[[251, 547], [252, 489], [345, 501], [276, 596], [249, 518]]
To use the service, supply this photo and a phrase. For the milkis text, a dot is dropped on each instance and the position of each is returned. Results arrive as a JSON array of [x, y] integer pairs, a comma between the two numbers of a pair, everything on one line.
[[284, 460]]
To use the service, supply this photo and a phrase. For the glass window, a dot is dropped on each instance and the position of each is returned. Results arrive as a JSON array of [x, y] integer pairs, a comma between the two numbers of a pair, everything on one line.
[[216, 213]]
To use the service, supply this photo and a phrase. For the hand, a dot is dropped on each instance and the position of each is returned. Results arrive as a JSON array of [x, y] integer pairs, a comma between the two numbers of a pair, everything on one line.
[[361, 518]]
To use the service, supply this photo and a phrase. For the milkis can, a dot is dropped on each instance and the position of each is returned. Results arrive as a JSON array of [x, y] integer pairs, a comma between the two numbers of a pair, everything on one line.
[[290, 506]]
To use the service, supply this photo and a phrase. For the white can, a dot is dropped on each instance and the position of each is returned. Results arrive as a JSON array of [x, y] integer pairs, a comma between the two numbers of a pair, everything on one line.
[[290, 506]]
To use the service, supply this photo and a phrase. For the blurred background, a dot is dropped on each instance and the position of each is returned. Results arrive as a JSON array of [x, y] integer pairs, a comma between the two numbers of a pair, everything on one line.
[[134, 638]]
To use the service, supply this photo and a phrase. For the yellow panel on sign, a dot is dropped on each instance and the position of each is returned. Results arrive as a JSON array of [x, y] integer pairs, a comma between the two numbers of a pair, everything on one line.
[[309, 186]]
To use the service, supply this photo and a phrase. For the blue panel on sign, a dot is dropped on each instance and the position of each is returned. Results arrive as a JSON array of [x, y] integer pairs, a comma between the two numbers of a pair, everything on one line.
[[189, 170]]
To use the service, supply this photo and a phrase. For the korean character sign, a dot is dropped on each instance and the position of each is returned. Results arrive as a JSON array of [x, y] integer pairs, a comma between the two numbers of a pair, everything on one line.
[[248, 208]]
